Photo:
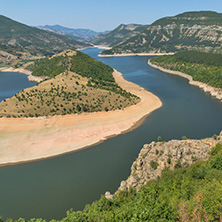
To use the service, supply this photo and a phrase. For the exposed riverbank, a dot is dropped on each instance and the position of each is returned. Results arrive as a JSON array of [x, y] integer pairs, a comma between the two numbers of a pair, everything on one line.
[[216, 92], [28, 139], [134, 54], [24, 71]]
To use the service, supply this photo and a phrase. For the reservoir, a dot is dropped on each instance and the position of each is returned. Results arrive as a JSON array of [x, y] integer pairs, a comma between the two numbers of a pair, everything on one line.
[[11, 83], [48, 188]]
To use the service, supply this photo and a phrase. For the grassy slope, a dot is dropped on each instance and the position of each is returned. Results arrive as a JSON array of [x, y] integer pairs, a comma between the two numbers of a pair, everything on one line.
[[203, 67], [22, 40], [92, 89]]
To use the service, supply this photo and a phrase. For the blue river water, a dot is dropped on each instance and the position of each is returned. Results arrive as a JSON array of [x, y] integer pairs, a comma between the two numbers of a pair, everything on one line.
[[48, 188]]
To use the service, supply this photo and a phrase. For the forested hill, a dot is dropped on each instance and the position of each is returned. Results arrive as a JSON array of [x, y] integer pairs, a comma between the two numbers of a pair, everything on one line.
[[76, 83], [190, 30], [203, 67], [24, 41]]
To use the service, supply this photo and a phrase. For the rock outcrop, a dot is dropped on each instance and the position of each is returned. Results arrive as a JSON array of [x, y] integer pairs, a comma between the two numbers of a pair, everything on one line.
[[156, 156]]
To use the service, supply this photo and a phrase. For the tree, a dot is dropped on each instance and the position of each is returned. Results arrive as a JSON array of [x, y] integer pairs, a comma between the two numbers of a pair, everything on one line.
[[159, 138]]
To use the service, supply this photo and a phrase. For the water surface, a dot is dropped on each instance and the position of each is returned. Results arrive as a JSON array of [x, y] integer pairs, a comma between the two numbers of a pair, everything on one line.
[[11, 83], [49, 187]]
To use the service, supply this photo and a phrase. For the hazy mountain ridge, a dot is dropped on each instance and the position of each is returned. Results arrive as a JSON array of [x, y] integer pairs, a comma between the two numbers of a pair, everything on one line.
[[190, 30], [80, 34]]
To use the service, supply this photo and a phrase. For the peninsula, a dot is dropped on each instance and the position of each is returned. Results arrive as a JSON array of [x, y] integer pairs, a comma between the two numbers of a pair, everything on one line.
[[27, 139], [200, 68]]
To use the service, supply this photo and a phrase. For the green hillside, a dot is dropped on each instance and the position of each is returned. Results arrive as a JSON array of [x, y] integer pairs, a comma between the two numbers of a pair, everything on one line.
[[200, 31], [99, 74], [203, 67], [24, 41], [192, 18]]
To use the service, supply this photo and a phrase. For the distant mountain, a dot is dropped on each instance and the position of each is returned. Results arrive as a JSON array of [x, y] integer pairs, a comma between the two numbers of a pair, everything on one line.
[[24, 41], [119, 35], [190, 30], [80, 34]]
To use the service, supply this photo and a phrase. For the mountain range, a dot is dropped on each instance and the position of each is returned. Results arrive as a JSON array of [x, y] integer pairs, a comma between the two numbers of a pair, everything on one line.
[[200, 31], [86, 35], [190, 30]]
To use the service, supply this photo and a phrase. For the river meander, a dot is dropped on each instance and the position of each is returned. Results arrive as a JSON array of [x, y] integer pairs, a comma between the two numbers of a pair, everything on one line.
[[48, 188]]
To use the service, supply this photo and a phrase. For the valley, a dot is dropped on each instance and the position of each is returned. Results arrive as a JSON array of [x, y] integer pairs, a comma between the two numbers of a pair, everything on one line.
[[103, 99]]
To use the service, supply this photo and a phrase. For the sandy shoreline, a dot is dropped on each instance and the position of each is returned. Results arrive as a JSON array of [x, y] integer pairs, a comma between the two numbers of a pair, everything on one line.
[[136, 54], [215, 92], [31, 78], [28, 139]]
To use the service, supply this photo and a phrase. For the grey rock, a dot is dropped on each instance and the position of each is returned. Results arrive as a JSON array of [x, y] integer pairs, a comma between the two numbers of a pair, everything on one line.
[[166, 154]]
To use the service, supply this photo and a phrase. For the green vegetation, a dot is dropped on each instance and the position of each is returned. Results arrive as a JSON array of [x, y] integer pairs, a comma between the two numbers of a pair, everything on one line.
[[211, 18], [77, 83], [203, 67], [159, 138], [99, 75], [154, 164], [24, 41], [192, 193]]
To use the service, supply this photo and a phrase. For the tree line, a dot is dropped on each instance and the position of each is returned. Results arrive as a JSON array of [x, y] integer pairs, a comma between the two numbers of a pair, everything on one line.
[[202, 66]]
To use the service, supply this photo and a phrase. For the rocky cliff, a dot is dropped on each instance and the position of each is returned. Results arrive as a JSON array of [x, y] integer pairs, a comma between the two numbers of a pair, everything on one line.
[[156, 156]]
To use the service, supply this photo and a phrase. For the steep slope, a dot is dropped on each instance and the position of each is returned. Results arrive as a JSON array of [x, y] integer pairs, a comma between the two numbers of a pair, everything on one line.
[[190, 30], [80, 34], [119, 34], [24, 41], [76, 83], [157, 156]]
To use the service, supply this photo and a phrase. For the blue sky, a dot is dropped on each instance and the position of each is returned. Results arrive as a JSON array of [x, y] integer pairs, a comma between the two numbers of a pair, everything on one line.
[[99, 15]]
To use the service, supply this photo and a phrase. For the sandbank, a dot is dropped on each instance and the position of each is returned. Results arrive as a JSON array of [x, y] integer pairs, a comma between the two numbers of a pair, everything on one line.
[[136, 54], [215, 92], [29, 139]]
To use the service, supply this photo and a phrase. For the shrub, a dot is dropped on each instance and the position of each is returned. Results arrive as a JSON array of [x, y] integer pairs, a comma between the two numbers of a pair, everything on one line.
[[169, 160], [159, 138], [154, 164]]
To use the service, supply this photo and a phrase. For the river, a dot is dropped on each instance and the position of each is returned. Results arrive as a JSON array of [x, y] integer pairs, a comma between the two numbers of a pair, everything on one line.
[[48, 188]]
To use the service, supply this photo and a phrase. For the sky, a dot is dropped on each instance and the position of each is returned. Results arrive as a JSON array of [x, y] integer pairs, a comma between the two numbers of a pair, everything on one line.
[[99, 15]]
